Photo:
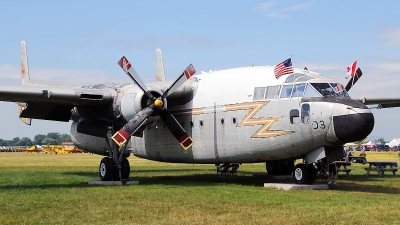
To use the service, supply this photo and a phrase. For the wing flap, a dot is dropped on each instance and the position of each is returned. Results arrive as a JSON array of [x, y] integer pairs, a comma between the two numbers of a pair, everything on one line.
[[47, 112]]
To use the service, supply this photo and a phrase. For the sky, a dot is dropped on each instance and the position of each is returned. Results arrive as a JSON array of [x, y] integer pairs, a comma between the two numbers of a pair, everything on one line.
[[80, 42]]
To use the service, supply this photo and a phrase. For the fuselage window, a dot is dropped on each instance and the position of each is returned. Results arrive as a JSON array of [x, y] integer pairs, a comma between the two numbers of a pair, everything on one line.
[[222, 121], [305, 113], [298, 90], [286, 91], [310, 92], [234, 120], [272, 92], [294, 116], [259, 93], [201, 123]]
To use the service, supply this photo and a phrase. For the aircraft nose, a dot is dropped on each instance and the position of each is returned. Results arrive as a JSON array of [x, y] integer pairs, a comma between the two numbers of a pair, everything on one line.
[[353, 127]]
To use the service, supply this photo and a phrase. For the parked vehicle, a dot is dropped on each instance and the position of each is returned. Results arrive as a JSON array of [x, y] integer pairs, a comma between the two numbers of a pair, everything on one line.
[[382, 147]]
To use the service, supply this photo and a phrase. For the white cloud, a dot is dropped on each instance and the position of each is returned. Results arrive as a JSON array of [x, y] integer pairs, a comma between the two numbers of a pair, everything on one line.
[[280, 13], [391, 38], [264, 7]]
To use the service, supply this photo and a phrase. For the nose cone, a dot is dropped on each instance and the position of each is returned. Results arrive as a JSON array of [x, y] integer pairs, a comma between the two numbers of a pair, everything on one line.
[[353, 127]]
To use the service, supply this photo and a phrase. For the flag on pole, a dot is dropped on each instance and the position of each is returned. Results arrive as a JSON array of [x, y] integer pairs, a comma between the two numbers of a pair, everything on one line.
[[283, 68], [351, 70]]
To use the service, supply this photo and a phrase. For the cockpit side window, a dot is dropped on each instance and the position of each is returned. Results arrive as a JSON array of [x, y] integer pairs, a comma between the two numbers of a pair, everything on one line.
[[286, 91], [339, 89], [259, 93], [298, 90], [272, 92], [324, 88], [310, 92]]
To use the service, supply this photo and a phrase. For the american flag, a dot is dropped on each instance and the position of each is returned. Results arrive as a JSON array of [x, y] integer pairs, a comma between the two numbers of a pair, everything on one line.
[[283, 68]]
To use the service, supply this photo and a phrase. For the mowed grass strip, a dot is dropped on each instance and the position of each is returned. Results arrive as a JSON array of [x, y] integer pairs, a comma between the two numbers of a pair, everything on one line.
[[52, 189]]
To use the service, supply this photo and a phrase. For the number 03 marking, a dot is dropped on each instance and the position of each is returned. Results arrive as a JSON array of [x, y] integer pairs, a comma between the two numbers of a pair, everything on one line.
[[321, 125]]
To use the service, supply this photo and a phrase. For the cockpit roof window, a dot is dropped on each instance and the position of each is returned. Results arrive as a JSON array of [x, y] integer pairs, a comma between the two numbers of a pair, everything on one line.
[[304, 78], [296, 77]]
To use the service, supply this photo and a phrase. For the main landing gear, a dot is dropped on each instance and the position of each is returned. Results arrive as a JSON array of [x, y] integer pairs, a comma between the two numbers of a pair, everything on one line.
[[116, 166], [302, 173], [305, 174], [227, 169]]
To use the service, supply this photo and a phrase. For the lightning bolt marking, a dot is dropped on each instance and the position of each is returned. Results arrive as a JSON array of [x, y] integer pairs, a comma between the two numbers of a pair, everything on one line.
[[248, 120]]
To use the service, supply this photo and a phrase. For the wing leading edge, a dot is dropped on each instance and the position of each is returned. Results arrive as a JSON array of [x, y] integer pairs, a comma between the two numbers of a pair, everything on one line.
[[54, 103]]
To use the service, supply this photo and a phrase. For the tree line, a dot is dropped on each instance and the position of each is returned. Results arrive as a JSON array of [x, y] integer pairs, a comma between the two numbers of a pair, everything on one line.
[[51, 138]]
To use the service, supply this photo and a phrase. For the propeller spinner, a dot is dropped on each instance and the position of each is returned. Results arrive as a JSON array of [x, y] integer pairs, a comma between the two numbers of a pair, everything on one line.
[[154, 106]]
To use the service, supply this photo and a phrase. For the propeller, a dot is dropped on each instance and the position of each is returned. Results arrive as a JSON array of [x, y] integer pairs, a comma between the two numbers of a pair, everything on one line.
[[154, 105], [354, 79]]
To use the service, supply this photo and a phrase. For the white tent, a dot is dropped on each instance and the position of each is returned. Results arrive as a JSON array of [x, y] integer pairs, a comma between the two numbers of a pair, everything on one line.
[[394, 142]]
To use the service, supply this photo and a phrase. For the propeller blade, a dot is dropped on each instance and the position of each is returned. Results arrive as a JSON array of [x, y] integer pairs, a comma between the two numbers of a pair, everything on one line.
[[186, 74], [127, 67], [179, 133], [124, 134], [354, 79]]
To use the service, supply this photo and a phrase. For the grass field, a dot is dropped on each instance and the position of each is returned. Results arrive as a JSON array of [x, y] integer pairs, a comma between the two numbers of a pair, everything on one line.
[[52, 189]]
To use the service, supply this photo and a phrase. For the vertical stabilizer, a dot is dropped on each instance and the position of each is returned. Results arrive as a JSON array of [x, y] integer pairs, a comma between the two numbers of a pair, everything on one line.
[[24, 65], [160, 76], [25, 80]]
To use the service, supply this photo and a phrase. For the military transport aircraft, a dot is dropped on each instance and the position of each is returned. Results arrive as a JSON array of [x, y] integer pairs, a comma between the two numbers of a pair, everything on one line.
[[226, 117]]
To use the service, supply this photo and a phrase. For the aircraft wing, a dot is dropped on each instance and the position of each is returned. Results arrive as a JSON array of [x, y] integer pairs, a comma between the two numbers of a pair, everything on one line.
[[382, 102], [53, 103]]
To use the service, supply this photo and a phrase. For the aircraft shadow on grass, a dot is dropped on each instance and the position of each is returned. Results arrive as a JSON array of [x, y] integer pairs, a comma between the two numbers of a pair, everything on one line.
[[372, 184]]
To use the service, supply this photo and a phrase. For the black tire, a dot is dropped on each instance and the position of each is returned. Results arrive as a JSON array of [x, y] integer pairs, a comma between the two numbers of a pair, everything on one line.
[[125, 169], [312, 174], [300, 174], [288, 167], [274, 167], [106, 169]]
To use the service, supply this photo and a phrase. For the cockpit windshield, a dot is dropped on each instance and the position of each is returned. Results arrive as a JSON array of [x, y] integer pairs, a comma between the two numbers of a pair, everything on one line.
[[330, 89]]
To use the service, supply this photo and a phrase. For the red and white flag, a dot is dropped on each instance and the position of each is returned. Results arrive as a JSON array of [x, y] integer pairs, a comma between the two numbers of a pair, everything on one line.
[[351, 70], [283, 68]]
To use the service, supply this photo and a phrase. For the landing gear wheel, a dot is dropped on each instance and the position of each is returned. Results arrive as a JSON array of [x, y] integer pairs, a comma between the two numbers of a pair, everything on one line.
[[274, 167], [125, 169], [300, 174], [312, 174], [106, 169], [288, 167]]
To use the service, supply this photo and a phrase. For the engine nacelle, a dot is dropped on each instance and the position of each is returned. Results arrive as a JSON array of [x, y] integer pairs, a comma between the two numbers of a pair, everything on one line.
[[132, 100], [90, 143]]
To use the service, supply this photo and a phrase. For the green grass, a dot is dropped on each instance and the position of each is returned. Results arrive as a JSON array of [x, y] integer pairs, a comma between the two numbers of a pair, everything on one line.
[[52, 189]]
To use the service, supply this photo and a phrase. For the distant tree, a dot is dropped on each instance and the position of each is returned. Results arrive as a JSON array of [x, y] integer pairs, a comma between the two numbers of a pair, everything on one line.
[[37, 140], [380, 140], [65, 138], [3, 142], [15, 142], [25, 141], [49, 141], [54, 135]]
